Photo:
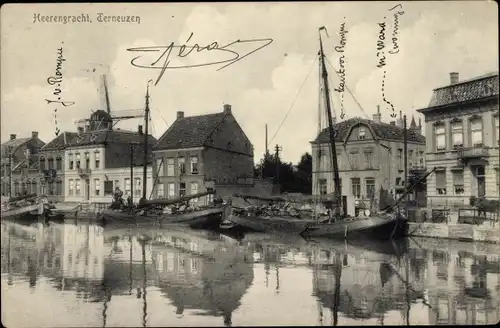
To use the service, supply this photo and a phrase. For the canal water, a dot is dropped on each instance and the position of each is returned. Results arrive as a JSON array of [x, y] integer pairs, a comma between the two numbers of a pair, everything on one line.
[[66, 275]]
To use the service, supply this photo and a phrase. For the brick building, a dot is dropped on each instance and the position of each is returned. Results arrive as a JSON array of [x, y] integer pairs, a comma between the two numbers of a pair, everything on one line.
[[52, 165], [462, 130], [20, 154], [369, 154], [98, 160], [197, 153]]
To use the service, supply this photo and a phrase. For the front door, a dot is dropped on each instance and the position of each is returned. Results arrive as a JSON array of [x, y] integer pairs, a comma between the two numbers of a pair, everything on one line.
[[480, 185], [481, 190], [87, 189]]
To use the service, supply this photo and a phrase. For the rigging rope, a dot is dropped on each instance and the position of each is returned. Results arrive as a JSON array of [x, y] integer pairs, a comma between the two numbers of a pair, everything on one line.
[[293, 103], [350, 92]]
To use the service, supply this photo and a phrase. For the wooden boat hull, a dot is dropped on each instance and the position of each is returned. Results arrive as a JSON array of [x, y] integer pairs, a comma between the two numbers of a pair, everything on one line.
[[204, 219], [270, 224], [381, 227], [26, 212]]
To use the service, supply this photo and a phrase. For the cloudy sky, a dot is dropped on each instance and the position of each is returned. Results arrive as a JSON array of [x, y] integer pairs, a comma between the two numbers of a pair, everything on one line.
[[434, 39]]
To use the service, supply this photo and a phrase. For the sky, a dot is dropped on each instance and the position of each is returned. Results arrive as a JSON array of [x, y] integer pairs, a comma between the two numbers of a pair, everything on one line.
[[277, 85]]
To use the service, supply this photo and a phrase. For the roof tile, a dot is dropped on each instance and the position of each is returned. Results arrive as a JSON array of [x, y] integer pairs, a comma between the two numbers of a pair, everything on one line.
[[383, 131], [189, 132], [477, 88]]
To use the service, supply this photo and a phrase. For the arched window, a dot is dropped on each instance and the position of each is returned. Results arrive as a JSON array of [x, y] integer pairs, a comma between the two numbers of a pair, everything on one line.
[[50, 163], [59, 190], [42, 163], [58, 162]]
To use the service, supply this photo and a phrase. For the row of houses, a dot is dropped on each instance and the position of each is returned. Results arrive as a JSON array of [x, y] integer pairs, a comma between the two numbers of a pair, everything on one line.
[[208, 152], [461, 142], [195, 154]]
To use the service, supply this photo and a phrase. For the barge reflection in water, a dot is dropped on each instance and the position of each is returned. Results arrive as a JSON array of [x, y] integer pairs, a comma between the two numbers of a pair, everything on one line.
[[85, 275]]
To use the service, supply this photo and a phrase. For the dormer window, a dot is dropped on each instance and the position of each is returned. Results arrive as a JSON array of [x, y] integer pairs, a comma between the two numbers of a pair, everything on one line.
[[361, 133]]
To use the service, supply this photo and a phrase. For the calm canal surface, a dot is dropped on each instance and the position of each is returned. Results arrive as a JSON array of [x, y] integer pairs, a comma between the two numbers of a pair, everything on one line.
[[65, 275]]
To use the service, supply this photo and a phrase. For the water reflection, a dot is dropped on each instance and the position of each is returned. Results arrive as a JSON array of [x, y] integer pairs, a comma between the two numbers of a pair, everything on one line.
[[164, 277]]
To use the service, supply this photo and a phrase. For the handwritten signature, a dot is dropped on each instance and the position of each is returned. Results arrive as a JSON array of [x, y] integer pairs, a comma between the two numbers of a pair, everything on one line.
[[185, 50], [57, 81], [381, 45], [395, 32]]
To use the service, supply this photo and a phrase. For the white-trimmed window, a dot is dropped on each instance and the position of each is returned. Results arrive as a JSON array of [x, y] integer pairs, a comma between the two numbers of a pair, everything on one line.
[[160, 169], [77, 164], [116, 184], [78, 191], [356, 187], [97, 187], [170, 167], [440, 182], [182, 165], [171, 190], [458, 182], [160, 190], [476, 132], [137, 187], [87, 160], [370, 187], [368, 159], [70, 161], [128, 190], [457, 134], [194, 164], [194, 190], [182, 189], [354, 160], [440, 136], [71, 187], [97, 161]]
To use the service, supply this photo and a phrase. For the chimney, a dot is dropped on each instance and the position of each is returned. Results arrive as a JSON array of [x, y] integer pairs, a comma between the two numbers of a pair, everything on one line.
[[80, 130], [377, 117], [139, 129], [453, 78], [180, 115], [227, 109], [393, 122], [399, 121], [34, 134], [12, 136]]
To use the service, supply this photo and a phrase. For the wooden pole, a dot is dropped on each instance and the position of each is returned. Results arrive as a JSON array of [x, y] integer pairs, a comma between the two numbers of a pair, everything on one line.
[[405, 138]]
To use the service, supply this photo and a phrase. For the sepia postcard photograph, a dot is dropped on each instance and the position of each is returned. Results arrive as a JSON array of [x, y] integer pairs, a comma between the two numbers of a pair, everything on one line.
[[201, 164]]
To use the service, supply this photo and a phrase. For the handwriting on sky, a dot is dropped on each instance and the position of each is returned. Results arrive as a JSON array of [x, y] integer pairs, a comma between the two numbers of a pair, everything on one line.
[[393, 48], [341, 72], [225, 54], [56, 81]]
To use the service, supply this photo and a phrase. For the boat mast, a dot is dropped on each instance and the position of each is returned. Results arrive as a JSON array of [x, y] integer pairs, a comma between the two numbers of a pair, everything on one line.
[[146, 119], [333, 150]]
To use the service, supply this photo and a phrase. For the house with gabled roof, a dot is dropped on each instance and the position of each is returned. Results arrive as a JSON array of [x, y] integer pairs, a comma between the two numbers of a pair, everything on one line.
[[99, 159], [197, 153], [370, 156], [51, 164], [19, 164], [462, 129]]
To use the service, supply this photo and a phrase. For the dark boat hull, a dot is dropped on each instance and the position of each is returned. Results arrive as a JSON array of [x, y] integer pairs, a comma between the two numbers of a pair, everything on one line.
[[203, 219], [270, 224], [379, 227]]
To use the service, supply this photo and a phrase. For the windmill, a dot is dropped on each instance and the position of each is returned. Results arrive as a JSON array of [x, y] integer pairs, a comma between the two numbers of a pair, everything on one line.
[[97, 120]]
